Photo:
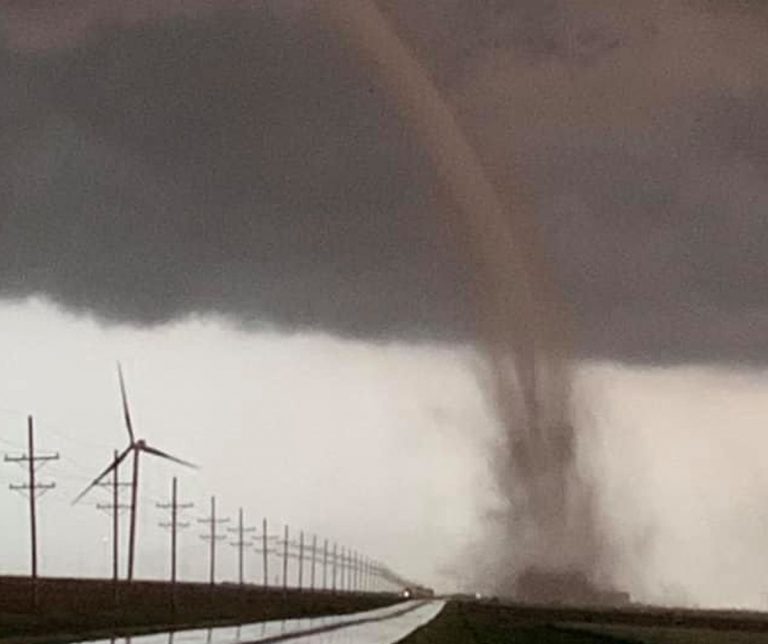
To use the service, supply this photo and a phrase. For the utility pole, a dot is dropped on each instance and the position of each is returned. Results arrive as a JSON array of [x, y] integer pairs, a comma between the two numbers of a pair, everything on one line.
[[379, 579], [351, 573], [301, 559], [350, 570], [289, 554], [345, 562], [348, 586], [32, 487], [374, 577], [265, 550], [265, 545], [240, 544], [371, 576], [333, 576], [115, 508], [325, 565], [314, 558], [174, 506], [285, 558], [345, 570], [213, 538], [359, 572]]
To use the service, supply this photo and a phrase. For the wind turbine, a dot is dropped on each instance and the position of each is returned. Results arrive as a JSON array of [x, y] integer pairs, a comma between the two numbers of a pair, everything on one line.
[[136, 447]]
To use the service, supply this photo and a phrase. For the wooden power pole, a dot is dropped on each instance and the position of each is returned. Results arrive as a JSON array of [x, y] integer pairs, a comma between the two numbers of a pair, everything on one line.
[[33, 489], [333, 575], [285, 559], [325, 565], [314, 560], [241, 544], [213, 538], [301, 559], [174, 506], [265, 550], [115, 508]]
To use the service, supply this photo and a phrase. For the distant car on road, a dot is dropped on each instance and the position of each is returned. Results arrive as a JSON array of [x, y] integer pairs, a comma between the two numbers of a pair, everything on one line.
[[416, 592]]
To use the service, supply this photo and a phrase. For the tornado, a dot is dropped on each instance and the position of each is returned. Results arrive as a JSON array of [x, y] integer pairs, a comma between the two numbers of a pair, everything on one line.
[[521, 321]]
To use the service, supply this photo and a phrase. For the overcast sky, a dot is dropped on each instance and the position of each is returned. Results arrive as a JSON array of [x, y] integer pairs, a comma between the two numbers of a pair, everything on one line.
[[224, 200], [343, 439]]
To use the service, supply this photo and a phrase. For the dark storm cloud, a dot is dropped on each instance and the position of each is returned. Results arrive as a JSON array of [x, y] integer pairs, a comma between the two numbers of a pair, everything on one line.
[[242, 162]]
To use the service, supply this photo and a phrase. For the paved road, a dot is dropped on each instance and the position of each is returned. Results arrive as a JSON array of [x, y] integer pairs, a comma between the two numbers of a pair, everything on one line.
[[381, 626]]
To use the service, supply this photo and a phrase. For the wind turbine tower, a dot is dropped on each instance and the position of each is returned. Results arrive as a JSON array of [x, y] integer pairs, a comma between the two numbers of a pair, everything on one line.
[[135, 447]]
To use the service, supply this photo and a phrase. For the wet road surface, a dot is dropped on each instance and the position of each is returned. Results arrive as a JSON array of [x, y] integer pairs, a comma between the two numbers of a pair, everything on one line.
[[380, 626]]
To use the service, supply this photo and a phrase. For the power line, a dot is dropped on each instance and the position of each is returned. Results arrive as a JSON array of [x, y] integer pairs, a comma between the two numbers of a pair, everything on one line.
[[174, 506], [301, 558], [334, 562], [240, 544], [265, 550], [32, 487], [115, 507], [285, 543], [213, 538], [325, 565], [314, 560]]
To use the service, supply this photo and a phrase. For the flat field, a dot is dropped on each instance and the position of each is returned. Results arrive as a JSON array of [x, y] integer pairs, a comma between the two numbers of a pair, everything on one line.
[[76, 608], [481, 623]]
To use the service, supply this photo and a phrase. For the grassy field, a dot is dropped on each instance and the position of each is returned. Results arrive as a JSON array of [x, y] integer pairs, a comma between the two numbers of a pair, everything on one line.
[[458, 623], [679, 635], [476, 623], [76, 608]]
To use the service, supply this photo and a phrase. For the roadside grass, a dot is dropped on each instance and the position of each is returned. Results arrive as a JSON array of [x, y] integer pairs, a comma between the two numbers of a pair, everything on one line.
[[667, 635], [465, 623], [458, 624]]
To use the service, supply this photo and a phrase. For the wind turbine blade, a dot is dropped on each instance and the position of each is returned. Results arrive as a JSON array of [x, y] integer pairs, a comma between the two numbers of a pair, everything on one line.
[[106, 471], [126, 411], [161, 454]]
